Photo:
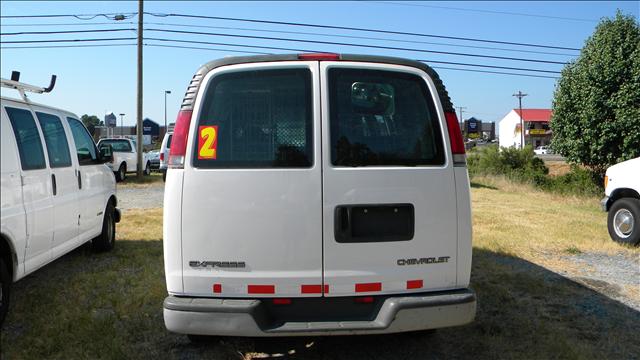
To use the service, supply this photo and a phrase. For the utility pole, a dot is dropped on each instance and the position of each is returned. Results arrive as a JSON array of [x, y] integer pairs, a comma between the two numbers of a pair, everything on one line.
[[121, 124], [460, 108], [139, 119], [520, 95]]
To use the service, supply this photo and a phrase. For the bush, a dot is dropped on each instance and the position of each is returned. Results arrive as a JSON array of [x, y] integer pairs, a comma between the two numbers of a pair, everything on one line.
[[517, 164], [578, 181], [522, 165]]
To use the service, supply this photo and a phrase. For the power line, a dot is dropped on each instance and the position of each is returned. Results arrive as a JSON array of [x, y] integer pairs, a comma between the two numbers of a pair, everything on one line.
[[357, 37], [61, 40], [212, 49], [110, 16], [305, 50], [62, 46], [67, 24], [486, 11], [362, 29], [64, 32], [356, 45], [491, 66], [494, 72]]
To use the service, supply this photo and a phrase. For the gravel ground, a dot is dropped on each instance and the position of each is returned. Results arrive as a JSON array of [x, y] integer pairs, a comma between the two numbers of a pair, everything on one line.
[[609, 274], [140, 197]]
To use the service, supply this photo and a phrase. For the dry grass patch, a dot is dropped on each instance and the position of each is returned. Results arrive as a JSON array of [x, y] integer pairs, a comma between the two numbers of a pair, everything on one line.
[[140, 224], [520, 220], [557, 167]]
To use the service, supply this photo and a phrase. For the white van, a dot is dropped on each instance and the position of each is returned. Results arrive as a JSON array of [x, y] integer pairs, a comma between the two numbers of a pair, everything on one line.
[[56, 192], [164, 153], [316, 194]]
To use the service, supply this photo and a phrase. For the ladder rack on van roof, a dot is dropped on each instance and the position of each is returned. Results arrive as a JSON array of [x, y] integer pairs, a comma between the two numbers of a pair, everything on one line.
[[15, 83]]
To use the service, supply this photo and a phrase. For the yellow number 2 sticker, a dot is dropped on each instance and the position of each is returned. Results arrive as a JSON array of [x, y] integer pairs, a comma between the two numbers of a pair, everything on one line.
[[208, 142]]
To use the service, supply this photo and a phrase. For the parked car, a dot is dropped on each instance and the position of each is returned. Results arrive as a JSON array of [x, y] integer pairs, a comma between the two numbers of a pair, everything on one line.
[[622, 201], [56, 192], [543, 150], [316, 194], [125, 157], [154, 159], [164, 153]]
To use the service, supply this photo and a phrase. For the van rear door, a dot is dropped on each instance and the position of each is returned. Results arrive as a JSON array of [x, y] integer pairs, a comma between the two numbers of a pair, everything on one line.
[[251, 220], [389, 201]]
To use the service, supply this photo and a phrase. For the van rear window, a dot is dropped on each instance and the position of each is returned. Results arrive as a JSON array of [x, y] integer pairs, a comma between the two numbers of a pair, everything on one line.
[[382, 118], [256, 119]]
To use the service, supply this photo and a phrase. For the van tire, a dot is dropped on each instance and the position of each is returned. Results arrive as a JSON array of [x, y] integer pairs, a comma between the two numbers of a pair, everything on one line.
[[625, 206], [147, 169], [164, 175], [122, 172], [5, 287], [107, 239]]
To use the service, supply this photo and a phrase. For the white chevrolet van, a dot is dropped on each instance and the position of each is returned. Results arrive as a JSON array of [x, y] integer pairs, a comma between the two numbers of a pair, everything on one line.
[[56, 192], [316, 194]]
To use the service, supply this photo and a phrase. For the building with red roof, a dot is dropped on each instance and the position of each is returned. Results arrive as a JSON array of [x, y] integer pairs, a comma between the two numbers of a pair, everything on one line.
[[536, 128]]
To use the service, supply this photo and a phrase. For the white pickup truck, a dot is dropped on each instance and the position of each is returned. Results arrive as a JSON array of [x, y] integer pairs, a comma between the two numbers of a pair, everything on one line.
[[125, 157], [622, 201]]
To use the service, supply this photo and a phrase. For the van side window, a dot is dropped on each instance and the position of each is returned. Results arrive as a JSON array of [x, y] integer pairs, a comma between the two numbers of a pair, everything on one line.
[[256, 119], [382, 118], [56, 140], [85, 147], [27, 138]]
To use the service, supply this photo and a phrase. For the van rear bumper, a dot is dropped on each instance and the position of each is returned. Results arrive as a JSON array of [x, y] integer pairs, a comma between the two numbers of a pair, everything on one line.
[[250, 317]]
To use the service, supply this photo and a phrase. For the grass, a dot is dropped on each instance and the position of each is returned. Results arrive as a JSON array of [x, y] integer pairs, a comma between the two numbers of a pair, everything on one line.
[[132, 181], [109, 305]]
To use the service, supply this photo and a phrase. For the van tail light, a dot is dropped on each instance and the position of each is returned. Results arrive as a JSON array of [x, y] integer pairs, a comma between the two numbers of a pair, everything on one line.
[[455, 137], [319, 56], [161, 156], [178, 148]]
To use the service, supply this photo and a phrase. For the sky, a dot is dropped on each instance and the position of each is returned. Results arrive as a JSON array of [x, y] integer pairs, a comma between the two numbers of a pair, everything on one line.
[[96, 80]]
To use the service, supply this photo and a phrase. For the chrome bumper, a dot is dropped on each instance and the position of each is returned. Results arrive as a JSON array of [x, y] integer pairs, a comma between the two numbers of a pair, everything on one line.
[[248, 317]]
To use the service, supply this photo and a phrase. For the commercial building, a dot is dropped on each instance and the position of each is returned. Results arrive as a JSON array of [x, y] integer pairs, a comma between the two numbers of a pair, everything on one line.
[[536, 128]]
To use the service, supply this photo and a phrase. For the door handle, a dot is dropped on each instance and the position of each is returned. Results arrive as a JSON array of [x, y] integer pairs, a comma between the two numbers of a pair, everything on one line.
[[53, 184], [342, 222], [79, 180]]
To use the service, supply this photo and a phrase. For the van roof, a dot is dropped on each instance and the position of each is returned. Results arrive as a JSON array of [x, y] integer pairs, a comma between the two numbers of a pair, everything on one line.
[[20, 101], [194, 85]]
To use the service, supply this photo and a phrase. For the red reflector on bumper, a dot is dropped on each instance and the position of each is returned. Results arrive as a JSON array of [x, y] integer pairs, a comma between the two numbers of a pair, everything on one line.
[[368, 287], [414, 284], [217, 288], [261, 289]]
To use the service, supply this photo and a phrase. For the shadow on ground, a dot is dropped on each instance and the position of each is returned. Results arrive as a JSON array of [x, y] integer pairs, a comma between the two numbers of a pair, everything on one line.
[[478, 185], [87, 305]]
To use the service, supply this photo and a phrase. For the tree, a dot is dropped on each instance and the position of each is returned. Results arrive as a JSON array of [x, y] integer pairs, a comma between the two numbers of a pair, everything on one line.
[[596, 106], [91, 121]]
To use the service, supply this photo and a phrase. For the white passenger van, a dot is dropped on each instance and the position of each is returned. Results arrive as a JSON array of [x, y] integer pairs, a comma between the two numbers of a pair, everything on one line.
[[56, 192], [316, 194]]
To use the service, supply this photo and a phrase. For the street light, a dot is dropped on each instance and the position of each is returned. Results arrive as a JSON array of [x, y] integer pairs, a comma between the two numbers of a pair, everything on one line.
[[165, 109], [121, 124]]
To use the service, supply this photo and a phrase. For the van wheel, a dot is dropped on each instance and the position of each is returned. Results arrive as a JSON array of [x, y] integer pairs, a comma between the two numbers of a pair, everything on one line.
[[106, 240], [164, 175], [623, 221], [5, 285], [122, 172], [147, 169]]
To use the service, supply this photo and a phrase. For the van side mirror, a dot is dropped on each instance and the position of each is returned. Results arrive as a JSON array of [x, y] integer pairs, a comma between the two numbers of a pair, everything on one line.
[[106, 153]]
